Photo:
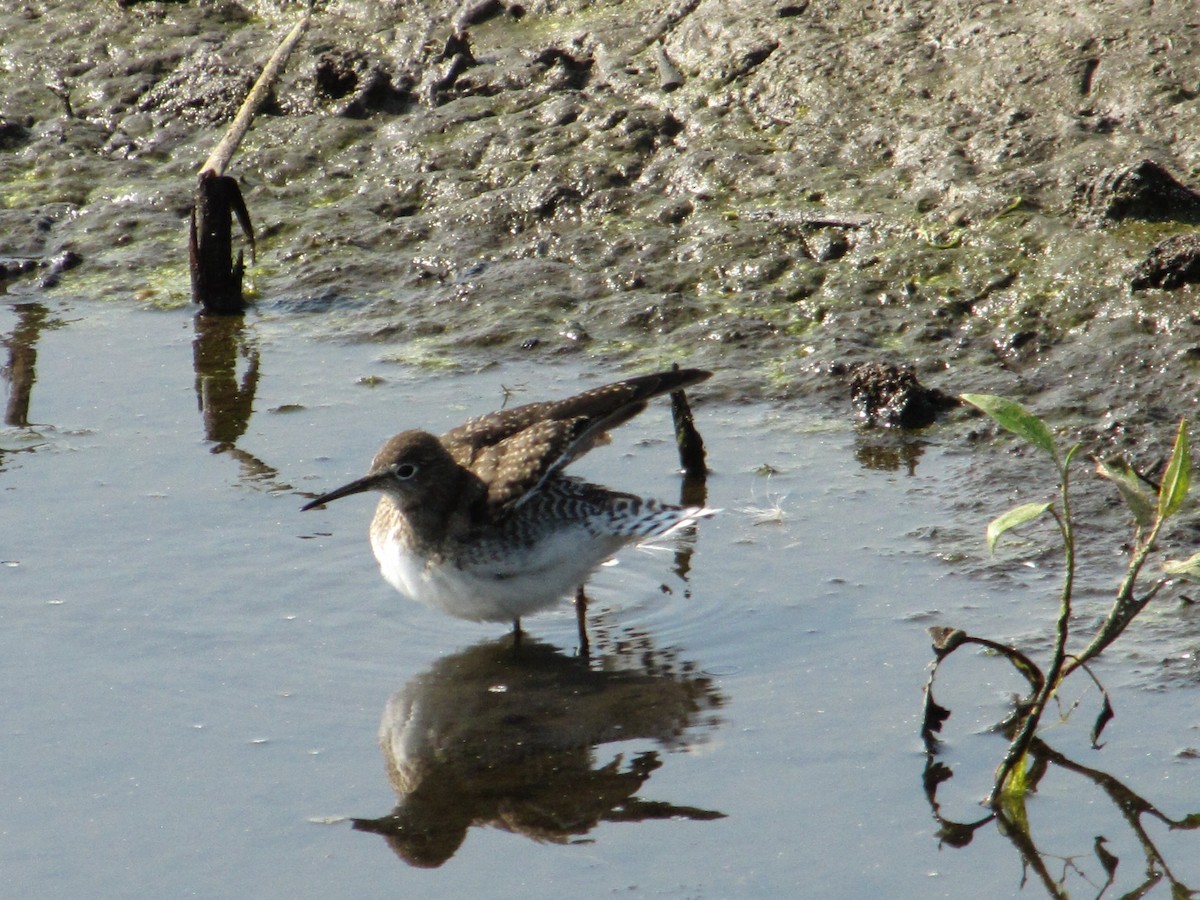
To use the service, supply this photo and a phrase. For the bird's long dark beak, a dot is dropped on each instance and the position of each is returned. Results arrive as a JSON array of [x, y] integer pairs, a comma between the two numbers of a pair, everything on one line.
[[366, 483]]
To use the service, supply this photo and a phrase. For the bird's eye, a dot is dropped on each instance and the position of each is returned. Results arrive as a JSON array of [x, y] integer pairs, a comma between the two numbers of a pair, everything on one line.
[[405, 471]]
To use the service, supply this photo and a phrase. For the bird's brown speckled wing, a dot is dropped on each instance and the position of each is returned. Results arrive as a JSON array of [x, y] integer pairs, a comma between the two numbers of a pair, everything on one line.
[[515, 450], [515, 466]]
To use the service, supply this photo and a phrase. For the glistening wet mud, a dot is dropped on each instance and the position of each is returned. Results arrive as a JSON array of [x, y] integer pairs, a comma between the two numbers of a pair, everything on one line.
[[784, 204], [526, 183]]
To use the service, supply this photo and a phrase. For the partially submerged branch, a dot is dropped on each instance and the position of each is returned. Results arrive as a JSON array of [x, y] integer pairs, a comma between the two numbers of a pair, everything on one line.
[[216, 283]]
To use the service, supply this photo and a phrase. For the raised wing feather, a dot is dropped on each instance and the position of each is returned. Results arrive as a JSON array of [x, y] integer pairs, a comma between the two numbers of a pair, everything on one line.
[[515, 450]]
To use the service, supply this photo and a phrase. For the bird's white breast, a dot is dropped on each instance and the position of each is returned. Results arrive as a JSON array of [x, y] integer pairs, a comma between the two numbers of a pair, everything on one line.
[[523, 581]]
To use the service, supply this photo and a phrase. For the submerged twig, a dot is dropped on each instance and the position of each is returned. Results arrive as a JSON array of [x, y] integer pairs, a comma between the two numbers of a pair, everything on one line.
[[945, 642]]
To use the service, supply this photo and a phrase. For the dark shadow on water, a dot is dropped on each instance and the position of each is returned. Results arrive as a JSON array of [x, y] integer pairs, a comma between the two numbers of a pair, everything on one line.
[[507, 737]]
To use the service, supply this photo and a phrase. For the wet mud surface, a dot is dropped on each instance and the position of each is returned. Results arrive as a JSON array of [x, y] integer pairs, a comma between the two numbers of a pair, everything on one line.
[[775, 189]]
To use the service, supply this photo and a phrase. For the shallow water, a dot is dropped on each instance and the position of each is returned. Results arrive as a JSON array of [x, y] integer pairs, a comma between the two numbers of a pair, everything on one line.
[[196, 673]]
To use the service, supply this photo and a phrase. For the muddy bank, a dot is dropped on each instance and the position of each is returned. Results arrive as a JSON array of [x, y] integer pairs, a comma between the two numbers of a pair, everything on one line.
[[778, 190]]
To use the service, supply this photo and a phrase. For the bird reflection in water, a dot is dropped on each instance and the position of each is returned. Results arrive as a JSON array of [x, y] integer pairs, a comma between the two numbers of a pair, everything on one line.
[[508, 737]]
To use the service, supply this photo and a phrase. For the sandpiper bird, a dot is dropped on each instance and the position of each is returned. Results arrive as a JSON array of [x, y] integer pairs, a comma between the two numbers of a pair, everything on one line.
[[483, 524]]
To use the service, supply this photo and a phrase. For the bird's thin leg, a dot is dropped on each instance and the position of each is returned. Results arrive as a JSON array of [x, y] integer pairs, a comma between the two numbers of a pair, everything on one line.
[[581, 620]]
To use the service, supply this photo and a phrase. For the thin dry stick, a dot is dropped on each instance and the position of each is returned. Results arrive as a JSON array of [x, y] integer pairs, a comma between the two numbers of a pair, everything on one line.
[[219, 159]]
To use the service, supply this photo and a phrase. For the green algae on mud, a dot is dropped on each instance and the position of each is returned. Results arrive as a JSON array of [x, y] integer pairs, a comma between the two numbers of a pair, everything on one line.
[[483, 170]]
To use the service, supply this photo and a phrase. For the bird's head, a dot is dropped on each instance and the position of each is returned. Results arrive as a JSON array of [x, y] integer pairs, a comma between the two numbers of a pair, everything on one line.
[[410, 469]]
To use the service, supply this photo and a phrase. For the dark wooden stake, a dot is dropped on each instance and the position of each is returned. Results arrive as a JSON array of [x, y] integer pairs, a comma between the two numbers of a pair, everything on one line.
[[216, 277], [687, 438]]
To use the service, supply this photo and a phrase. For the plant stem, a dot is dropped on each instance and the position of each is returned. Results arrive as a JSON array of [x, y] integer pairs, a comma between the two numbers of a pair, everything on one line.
[[1126, 606], [1055, 674]]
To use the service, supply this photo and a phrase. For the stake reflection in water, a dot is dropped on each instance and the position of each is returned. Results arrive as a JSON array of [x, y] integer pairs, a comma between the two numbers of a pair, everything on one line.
[[20, 366], [222, 346]]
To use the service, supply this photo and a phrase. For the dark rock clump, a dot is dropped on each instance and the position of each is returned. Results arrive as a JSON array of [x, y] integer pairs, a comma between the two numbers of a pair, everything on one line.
[[891, 396]]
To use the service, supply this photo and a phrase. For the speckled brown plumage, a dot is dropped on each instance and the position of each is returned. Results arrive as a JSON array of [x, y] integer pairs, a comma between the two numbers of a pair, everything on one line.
[[481, 522], [514, 450]]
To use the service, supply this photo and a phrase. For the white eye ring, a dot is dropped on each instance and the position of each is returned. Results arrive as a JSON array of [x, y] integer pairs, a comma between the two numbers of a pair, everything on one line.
[[405, 471]]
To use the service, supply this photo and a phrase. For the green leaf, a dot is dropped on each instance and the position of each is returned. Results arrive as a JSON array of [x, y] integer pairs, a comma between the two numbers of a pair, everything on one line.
[[1187, 569], [1137, 494], [1016, 418], [1018, 515], [1178, 476], [1012, 795]]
